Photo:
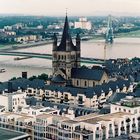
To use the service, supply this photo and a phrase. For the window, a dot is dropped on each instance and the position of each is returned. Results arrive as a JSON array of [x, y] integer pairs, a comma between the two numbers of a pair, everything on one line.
[[110, 125], [85, 83], [93, 84], [77, 83], [135, 111]]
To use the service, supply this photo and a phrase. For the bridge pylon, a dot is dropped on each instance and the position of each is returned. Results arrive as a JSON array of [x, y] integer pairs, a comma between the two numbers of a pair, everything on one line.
[[109, 38]]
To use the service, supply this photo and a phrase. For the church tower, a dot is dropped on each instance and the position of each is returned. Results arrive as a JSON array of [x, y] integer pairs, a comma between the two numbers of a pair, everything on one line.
[[66, 55]]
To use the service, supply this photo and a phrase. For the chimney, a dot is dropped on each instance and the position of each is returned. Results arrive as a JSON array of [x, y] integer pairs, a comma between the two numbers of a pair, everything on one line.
[[10, 86], [24, 75]]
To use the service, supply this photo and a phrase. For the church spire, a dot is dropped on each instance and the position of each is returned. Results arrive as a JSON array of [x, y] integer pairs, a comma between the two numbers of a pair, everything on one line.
[[66, 41], [66, 35]]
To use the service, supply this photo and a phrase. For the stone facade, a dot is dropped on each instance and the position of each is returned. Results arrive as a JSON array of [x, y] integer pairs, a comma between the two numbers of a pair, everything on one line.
[[65, 56]]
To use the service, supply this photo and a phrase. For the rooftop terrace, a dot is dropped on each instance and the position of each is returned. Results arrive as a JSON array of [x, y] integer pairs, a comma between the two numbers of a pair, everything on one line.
[[6, 134], [129, 101]]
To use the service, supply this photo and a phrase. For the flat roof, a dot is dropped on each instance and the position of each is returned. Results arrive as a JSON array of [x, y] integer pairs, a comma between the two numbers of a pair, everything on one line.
[[85, 117], [71, 122], [20, 117], [45, 116], [6, 134], [107, 117]]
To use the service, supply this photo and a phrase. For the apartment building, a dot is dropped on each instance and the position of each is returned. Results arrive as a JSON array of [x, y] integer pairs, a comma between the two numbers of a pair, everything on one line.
[[17, 122], [89, 97], [13, 101], [92, 126]]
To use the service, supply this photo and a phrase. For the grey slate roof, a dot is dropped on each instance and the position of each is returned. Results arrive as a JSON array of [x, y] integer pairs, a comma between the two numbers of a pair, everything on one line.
[[58, 79], [23, 83], [116, 97], [137, 92], [91, 91], [86, 73], [123, 68], [62, 107]]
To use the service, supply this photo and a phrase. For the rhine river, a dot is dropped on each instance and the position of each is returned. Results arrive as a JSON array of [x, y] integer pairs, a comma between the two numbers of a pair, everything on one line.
[[122, 48]]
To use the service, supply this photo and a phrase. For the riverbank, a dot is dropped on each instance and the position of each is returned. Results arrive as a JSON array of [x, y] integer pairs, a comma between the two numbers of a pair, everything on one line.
[[27, 45], [133, 34]]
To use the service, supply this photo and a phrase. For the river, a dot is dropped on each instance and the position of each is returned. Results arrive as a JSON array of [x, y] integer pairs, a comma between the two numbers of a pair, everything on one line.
[[122, 48]]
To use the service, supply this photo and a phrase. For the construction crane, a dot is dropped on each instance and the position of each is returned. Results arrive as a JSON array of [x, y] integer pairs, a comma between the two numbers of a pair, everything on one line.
[[105, 51]]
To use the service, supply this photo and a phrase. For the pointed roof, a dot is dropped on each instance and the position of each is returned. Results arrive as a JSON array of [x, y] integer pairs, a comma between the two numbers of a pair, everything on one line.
[[66, 36]]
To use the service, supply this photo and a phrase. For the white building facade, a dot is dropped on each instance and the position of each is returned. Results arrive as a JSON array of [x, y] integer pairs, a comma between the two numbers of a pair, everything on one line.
[[83, 23]]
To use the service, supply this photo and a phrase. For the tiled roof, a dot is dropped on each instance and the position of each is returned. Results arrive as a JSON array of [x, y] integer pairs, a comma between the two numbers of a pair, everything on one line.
[[86, 73]]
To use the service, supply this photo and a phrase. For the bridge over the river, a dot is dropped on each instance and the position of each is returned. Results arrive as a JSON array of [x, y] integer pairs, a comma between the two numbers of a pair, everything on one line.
[[49, 56]]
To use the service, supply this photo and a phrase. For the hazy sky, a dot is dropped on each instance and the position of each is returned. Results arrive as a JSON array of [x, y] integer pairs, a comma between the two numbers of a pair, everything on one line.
[[75, 7]]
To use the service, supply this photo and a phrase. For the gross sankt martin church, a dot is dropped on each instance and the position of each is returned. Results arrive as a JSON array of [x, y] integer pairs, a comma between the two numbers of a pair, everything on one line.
[[66, 63]]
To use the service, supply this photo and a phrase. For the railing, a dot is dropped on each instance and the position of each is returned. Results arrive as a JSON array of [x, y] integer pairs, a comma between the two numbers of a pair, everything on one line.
[[12, 126]]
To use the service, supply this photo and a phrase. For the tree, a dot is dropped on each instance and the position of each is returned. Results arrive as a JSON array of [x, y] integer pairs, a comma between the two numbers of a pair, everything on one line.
[[14, 78], [32, 78], [43, 77]]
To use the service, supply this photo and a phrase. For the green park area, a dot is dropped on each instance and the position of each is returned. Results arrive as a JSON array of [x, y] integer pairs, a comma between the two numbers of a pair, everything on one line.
[[129, 34], [1, 46]]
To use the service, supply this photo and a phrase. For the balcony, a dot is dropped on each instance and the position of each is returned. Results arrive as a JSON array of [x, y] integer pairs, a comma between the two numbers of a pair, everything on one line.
[[83, 131], [133, 127], [110, 132], [122, 130]]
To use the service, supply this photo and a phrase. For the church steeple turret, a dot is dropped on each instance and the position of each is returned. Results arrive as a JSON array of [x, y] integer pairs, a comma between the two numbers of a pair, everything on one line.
[[78, 42], [54, 42]]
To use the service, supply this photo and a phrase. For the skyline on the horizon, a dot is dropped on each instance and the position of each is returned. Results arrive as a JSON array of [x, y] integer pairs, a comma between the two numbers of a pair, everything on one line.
[[58, 7]]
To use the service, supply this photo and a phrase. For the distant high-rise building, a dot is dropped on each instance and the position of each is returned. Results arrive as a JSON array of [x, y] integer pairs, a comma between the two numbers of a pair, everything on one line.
[[83, 23]]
